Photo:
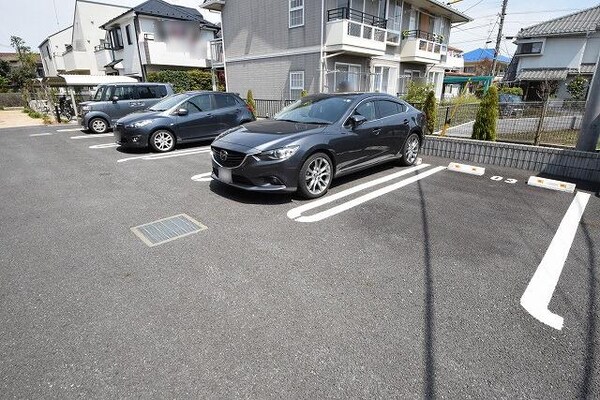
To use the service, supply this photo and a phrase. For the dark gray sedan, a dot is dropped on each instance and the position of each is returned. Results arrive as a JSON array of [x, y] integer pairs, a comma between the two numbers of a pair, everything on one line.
[[182, 118], [316, 139]]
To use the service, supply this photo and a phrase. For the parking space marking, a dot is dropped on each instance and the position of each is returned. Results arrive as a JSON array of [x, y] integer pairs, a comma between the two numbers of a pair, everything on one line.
[[179, 153], [296, 212], [104, 146], [92, 136], [539, 292], [366, 197], [203, 177], [41, 134], [69, 130]]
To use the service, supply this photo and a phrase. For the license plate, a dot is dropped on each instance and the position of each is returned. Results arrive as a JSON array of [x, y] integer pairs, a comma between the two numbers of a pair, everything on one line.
[[225, 175]]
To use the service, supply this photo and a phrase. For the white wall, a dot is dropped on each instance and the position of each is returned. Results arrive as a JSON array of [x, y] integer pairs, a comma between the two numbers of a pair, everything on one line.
[[556, 53], [129, 52], [56, 46], [590, 55]]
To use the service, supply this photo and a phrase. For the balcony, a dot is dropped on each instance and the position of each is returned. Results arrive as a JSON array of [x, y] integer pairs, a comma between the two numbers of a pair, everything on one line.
[[103, 56], [76, 61], [355, 32], [422, 47], [175, 54], [216, 53]]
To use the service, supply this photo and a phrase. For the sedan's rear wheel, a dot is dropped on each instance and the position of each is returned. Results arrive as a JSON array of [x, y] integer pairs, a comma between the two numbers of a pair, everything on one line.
[[315, 176], [162, 141], [410, 150]]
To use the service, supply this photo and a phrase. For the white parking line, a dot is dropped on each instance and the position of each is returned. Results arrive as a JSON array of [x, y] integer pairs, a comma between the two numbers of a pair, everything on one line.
[[539, 292], [179, 153], [69, 130], [104, 146], [296, 212], [369, 196], [41, 134], [92, 136], [203, 177]]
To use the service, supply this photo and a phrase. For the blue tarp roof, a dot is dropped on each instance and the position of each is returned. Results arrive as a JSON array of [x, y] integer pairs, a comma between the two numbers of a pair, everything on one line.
[[483, 54]]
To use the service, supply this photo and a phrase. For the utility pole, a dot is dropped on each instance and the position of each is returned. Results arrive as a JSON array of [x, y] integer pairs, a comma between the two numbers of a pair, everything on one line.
[[590, 125], [499, 37]]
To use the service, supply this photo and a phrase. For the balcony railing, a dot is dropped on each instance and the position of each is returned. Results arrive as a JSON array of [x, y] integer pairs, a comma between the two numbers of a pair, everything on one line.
[[216, 51], [429, 36], [103, 46], [356, 16]]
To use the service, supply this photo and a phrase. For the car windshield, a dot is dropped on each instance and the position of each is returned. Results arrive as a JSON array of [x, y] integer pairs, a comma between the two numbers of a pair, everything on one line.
[[324, 110], [100, 93], [168, 102]]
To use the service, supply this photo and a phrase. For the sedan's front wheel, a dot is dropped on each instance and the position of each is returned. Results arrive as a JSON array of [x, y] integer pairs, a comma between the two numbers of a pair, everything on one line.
[[410, 150], [315, 176], [162, 141]]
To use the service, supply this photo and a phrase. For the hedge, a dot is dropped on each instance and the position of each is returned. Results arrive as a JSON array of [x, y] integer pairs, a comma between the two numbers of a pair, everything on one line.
[[11, 100], [183, 81]]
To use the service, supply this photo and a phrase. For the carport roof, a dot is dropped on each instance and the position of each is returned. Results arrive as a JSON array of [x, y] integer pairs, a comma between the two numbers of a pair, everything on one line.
[[86, 80], [550, 74]]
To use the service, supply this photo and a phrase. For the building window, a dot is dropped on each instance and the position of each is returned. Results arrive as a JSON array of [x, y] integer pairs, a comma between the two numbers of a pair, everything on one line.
[[128, 34], [296, 84], [347, 77], [530, 48], [296, 13], [116, 37], [48, 51]]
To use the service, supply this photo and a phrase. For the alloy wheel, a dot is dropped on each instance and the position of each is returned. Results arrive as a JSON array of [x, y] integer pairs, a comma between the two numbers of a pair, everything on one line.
[[163, 141], [412, 149], [99, 125], [318, 175]]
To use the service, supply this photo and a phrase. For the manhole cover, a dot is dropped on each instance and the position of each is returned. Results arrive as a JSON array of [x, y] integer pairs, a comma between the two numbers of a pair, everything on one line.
[[167, 229]]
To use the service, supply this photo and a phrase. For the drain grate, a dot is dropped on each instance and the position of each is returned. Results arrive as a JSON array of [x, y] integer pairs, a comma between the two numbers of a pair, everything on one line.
[[167, 229]]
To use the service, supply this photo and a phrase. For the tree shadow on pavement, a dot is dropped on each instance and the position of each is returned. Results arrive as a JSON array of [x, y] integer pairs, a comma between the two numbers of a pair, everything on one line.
[[428, 313]]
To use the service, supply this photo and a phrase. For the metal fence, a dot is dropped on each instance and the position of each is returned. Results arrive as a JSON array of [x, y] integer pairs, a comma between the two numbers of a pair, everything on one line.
[[268, 108], [554, 123]]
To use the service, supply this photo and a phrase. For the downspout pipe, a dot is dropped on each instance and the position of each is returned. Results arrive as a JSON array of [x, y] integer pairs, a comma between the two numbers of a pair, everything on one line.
[[136, 24]]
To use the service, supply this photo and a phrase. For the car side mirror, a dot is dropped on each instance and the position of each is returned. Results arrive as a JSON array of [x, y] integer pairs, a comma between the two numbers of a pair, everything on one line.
[[182, 112], [115, 99], [357, 120]]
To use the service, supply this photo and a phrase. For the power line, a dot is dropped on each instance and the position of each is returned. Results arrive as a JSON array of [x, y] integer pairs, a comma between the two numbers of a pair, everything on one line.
[[56, 13]]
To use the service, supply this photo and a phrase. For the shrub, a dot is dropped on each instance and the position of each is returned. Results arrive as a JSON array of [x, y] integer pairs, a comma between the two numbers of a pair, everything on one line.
[[430, 110], [484, 127], [250, 102], [304, 93], [183, 81], [34, 114], [417, 93], [46, 119], [577, 88], [517, 91]]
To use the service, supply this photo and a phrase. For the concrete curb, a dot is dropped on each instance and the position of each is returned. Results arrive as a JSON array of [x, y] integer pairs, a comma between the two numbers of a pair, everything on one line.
[[565, 163]]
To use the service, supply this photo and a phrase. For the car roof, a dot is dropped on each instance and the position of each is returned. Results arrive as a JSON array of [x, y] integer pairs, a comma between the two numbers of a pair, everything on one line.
[[357, 95]]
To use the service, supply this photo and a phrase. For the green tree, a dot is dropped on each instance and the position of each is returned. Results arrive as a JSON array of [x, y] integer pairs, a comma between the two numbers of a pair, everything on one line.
[[22, 75], [4, 84], [484, 127], [577, 87], [430, 110], [4, 68], [517, 91], [250, 101], [416, 93]]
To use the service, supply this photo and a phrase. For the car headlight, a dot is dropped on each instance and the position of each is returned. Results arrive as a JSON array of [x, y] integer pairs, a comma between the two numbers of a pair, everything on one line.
[[86, 108], [280, 154], [140, 124]]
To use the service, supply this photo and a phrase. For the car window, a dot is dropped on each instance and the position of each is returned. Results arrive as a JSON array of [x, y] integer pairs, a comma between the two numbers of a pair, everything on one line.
[[190, 107], [124, 92], [387, 108], [144, 92], [203, 102], [367, 110], [158, 91], [224, 100], [316, 110], [101, 93]]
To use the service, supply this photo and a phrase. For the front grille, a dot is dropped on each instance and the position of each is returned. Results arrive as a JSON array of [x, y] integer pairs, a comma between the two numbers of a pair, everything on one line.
[[228, 158]]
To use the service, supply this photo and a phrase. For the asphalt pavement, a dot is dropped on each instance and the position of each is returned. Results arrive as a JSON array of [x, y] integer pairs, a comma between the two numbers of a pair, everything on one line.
[[401, 287]]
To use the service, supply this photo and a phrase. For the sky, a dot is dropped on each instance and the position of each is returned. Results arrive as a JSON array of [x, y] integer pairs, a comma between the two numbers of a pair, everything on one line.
[[34, 20]]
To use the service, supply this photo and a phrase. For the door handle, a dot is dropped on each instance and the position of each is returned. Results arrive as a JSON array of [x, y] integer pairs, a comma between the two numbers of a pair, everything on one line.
[[376, 131], [405, 122]]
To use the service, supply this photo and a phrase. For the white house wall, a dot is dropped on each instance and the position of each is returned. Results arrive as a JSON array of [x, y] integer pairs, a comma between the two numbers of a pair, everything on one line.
[[556, 53], [56, 46]]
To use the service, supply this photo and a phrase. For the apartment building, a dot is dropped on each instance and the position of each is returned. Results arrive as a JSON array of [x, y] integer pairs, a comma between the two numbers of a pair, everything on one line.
[[550, 54], [279, 48], [52, 49], [155, 35]]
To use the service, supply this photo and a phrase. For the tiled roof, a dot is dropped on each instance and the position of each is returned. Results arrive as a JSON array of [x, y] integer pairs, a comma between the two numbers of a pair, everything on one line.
[[579, 22], [484, 54], [587, 68]]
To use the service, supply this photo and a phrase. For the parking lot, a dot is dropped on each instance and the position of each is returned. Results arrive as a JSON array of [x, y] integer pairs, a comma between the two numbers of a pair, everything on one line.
[[400, 283]]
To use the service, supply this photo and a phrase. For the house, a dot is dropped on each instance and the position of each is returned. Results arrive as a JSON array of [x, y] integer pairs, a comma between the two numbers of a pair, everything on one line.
[[12, 59], [455, 61], [155, 35], [550, 54], [79, 57], [278, 48], [479, 62], [52, 49]]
